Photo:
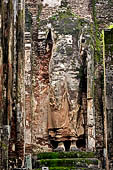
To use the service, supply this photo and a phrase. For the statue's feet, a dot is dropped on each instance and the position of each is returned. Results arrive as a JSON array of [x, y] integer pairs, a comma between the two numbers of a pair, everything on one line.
[[60, 148], [73, 147]]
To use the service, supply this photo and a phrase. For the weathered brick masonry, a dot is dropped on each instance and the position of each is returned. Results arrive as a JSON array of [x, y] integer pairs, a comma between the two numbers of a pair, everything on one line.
[[33, 61], [100, 14]]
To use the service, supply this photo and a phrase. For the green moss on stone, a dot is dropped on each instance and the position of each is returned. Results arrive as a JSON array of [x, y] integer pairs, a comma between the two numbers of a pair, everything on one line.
[[56, 155], [40, 6], [98, 37], [110, 26], [65, 168], [66, 160], [85, 162], [62, 21], [11, 5]]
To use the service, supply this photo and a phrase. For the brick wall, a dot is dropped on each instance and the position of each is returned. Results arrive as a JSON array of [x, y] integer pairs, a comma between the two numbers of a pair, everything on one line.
[[87, 10], [24, 81]]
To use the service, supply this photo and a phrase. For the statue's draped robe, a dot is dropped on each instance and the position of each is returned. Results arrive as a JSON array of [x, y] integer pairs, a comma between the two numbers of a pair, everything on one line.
[[66, 115]]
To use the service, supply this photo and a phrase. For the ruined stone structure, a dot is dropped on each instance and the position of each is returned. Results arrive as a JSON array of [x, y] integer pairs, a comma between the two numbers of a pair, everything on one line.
[[56, 77], [12, 97]]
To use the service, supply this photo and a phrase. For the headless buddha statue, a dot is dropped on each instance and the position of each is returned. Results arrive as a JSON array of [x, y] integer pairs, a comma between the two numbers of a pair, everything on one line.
[[66, 115]]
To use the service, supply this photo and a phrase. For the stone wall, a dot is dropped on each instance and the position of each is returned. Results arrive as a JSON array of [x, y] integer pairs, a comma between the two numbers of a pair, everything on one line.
[[94, 12], [39, 71], [52, 49], [102, 16], [12, 83], [99, 13], [108, 71], [80, 8], [104, 13]]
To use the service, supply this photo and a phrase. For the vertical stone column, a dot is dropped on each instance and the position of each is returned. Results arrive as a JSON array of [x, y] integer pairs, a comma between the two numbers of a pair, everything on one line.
[[4, 40], [1, 65], [1, 85], [16, 89], [86, 46], [20, 126], [28, 93], [108, 93], [28, 86], [7, 48], [90, 100], [13, 119]]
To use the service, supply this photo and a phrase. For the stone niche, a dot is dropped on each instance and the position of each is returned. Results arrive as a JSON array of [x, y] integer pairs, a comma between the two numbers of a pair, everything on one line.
[[65, 49]]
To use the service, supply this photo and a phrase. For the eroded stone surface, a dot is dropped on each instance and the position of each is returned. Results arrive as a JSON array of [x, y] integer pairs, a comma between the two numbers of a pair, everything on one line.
[[63, 54]]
